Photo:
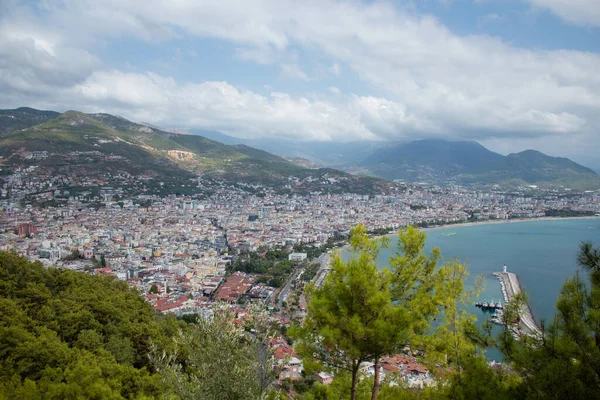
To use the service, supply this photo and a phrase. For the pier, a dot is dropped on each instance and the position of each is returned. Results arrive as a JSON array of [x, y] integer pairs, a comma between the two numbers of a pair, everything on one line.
[[511, 287]]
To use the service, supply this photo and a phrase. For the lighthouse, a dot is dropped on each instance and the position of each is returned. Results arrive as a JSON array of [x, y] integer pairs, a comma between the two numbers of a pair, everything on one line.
[[504, 268]]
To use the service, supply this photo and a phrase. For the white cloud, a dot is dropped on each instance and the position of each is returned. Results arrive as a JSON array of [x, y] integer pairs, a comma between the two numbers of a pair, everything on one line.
[[293, 71], [219, 105], [36, 59], [579, 12], [428, 81]]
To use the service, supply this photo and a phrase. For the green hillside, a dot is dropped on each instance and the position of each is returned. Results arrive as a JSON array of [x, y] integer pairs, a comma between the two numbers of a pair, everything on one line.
[[65, 334], [115, 151], [23, 118], [80, 146]]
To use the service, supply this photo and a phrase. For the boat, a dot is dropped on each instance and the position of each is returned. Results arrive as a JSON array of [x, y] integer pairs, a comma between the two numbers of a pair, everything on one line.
[[493, 305], [498, 317], [449, 234]]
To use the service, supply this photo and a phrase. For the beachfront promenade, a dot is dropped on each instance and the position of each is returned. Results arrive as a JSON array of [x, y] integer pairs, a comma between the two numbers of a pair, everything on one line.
[[510, 288]]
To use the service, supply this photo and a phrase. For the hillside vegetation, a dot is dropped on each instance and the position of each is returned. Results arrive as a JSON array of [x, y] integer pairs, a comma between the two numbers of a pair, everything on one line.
[[94, 145], [23, 118], [66, 335]]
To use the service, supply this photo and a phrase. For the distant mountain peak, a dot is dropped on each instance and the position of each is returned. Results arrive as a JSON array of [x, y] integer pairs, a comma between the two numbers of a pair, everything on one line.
[[468, 162]]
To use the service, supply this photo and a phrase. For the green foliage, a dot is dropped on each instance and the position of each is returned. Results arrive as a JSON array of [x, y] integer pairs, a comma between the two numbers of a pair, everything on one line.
[[362, 313], [568, 213], [274, 267], [217, 359], [22, 118], [65, 334], [154, 289], [351, 318], [310, 271], [313, 252], [75, 255]]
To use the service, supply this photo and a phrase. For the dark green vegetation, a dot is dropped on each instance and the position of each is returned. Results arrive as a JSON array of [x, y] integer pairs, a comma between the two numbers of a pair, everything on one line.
[[23, 118], [112, 149], [568, 213], [362, 313], [216, 359], [273, 265], [67, 335], [441, 161], [314, 252]]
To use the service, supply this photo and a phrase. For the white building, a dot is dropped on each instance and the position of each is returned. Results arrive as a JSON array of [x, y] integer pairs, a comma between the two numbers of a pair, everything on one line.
[[297, 257]]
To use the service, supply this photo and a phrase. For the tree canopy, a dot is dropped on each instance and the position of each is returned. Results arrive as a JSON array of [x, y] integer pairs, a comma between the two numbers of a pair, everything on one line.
[[362, 313], [65, 334]]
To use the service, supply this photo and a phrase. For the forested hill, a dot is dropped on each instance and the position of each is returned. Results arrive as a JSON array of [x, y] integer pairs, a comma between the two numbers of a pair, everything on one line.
[[71, 335]]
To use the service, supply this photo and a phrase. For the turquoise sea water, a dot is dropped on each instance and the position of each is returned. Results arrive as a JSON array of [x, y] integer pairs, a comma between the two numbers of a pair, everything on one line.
[[542, 253]]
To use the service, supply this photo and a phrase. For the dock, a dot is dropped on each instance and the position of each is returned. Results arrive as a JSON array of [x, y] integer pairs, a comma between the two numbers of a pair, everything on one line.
[[511, 287]]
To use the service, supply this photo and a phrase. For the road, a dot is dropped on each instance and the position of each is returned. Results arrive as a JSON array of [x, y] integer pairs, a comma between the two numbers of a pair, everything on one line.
[[321, 274], [287, 288]]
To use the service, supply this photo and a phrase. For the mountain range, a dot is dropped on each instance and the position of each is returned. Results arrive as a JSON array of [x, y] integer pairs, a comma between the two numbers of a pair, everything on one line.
[[469, 163], [110, 149], [89, 145], [433, 161]]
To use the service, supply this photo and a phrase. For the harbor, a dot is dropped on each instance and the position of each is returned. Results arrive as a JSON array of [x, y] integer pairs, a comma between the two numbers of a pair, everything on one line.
[[496, 307], [510, 285]]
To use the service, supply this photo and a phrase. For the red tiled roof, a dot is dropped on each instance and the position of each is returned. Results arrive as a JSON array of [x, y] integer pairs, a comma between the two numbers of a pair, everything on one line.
[[167, 307], [284, 351]]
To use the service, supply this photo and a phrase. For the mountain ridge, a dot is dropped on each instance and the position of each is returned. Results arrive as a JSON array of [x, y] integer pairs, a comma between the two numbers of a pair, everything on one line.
[[79, 144], [468, 162]]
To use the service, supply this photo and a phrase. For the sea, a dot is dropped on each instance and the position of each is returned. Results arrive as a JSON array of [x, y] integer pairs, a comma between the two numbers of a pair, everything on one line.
[[541, 252]]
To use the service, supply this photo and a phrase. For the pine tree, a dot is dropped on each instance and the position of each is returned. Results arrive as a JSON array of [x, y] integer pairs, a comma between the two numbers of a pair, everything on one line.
[[351, 314], [362, 313]]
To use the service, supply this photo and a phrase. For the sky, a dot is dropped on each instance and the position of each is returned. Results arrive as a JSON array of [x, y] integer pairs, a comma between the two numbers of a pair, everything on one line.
[[511, 74]]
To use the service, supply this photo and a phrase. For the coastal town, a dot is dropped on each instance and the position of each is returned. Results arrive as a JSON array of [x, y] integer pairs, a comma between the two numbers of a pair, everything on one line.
[[185, 254]]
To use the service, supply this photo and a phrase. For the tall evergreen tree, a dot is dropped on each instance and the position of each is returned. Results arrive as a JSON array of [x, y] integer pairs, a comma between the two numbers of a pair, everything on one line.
[[352, 315], [362, 313]]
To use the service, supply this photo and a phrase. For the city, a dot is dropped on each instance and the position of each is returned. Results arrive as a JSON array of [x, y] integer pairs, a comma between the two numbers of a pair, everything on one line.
[[180, 252]]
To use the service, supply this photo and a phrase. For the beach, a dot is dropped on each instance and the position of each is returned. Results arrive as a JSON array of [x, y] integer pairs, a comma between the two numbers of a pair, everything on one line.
[[503, 221], [481, 223]]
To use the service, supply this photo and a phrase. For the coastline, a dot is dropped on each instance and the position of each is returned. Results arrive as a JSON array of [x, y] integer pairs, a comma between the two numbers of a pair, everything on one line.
[[486, 222], [502, 221], [527, 325]]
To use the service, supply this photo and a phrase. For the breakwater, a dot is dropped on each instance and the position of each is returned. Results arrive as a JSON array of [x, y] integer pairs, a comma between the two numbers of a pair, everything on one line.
[[510, 288]]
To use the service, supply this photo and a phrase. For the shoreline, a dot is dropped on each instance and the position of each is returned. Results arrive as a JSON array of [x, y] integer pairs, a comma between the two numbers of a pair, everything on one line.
[[502, 221], [486, 222]]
